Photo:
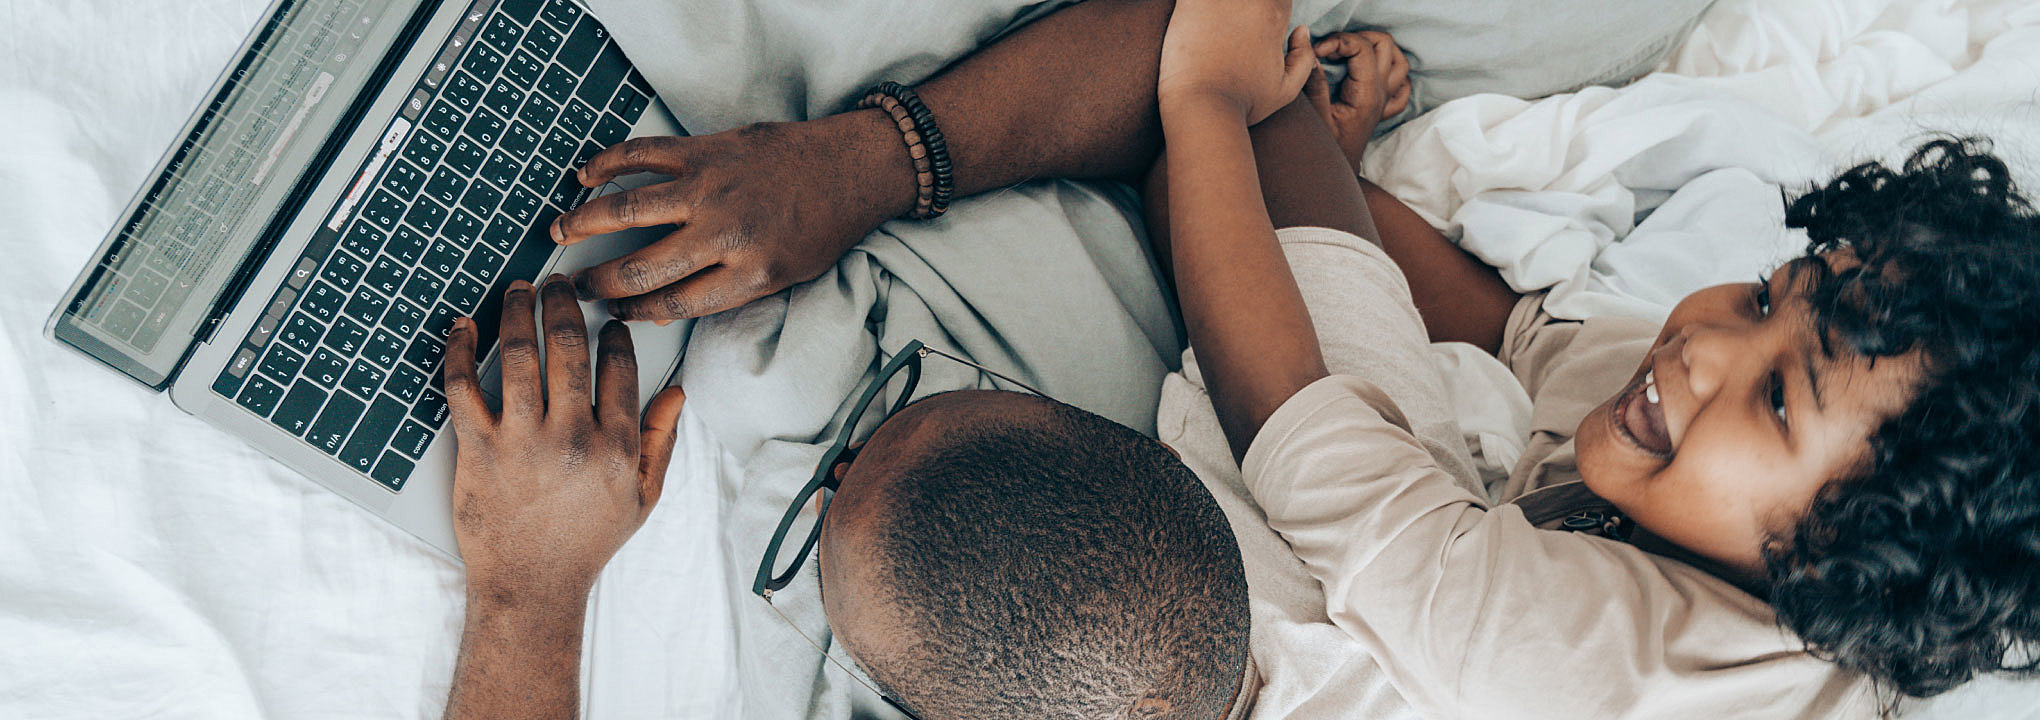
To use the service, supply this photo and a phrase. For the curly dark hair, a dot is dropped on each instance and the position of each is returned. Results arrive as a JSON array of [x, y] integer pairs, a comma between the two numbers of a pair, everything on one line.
[[1922, 569]]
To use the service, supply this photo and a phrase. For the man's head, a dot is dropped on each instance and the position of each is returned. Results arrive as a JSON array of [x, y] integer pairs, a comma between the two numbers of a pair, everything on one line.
[[994, 554], [1857, 430]]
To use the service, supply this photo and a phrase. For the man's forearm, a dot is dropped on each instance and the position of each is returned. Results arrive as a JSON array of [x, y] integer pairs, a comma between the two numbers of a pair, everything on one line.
[[1071, 95], [518, 660]]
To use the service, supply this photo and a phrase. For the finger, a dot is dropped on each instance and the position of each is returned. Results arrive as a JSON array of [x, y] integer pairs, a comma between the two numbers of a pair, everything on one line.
[[707, 292], [460, 383], [665, 155], [1319, 92], [655, 444], [518, 354], [1297, 63], [616, 394], [566, 350], [675, 256], [1398, 101], [641, 207], [1361, 81], [1339, 46]]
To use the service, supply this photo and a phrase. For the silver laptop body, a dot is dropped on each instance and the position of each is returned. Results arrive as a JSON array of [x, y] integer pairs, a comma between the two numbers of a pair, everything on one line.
[[364, 171]]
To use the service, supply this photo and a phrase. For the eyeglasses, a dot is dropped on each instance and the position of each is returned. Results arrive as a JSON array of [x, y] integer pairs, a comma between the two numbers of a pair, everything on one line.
[[825, 482]]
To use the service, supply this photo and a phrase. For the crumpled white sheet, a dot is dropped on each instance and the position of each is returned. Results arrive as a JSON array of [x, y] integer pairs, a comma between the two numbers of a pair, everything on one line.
[[1624, 200]]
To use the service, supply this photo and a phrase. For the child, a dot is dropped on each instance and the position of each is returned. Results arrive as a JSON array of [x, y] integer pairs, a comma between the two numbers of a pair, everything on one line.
[[1845, 439]]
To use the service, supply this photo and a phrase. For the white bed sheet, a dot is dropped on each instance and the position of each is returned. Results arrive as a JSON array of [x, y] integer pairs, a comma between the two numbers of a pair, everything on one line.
[[151, 566]]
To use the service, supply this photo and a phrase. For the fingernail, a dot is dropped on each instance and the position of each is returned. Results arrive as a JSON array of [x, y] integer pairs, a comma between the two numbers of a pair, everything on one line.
[[581, 288], [520, 284], [555, 278], [557, 236]]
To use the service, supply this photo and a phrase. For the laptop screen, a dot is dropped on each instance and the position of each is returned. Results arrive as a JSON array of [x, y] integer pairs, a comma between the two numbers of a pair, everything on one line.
[[153, 288]]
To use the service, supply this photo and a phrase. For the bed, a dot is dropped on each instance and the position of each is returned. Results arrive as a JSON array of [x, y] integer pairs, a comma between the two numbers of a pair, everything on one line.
[[151, 566]]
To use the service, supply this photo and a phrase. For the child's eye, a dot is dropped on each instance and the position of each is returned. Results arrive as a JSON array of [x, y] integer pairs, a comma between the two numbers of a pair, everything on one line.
[[1763, 297], [1778, 397]]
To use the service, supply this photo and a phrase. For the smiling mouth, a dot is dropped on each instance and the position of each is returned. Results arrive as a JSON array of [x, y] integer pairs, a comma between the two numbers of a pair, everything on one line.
[[1639, 419]]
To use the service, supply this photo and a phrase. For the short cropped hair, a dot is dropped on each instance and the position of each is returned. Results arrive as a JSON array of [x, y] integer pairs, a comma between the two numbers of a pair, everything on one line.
[[1923, 570], [1059, 567]]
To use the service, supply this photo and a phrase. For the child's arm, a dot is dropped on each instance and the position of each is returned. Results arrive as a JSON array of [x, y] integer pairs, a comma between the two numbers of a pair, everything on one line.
[[1220, 72]]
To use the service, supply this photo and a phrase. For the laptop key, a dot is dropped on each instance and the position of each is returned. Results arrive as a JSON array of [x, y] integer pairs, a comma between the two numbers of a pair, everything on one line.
[[444, 120], [610, 131], [281, 363], [521, 10], [260, 396], [464, 293], [502, 167], [439, 322], [412, 439], [407, 246], [541, 174], [524, 68], [557, 84], [363, 239], [405, 382], [539, 111], [384, 348], [561, 13], [385, 275], [423, 150], [446, 185], [323, 301], [466, 155], [559, 147], [578, 118], [481, 263], [404, 318], [483, 62], [325, 367], [347, 336], [464, 92], [299, 407], [462, 227], [543, 39], [377, 426], [383, 209], [485, 127], [502, 234], [568, 194], [481, 199], [392, 470], [583, 43], [629, 104], [443, 258], [422, 290], [522, 205], [343, 270], [604, 76], [504, 97], [330, 430], [362, 379], [430, 409], [501, 33], [427, 353], [301, 332], [426, 216]]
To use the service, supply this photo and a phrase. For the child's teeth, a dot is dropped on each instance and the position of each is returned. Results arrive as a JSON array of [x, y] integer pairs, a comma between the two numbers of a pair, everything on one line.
[[1650, 387]]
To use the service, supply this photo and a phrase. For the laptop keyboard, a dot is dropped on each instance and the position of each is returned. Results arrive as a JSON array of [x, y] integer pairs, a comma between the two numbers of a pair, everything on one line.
[[465, 185]]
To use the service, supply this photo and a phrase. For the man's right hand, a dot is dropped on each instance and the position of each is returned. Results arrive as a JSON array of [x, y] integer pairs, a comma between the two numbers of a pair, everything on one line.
[[759, 208]]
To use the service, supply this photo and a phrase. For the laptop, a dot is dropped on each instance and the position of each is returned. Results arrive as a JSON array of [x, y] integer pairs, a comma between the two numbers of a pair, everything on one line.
[[364, 172]]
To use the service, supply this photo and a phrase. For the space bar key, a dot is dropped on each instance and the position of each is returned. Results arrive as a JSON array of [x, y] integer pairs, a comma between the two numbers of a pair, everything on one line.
[[525, 263]]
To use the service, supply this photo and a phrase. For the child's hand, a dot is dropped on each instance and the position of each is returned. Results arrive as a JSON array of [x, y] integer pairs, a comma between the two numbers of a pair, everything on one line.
[[1232, 51], [1377, 85]]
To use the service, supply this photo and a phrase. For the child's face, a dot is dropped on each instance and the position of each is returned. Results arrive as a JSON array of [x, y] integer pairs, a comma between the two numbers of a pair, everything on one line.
[[1750, 420]]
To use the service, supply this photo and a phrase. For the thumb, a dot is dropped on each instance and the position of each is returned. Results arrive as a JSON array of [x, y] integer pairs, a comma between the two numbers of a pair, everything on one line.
[[1298, 62], [655, 444], [1318, 91]]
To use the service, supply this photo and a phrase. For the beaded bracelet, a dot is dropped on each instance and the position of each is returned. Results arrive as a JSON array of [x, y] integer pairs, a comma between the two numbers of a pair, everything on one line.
[[933, 176]]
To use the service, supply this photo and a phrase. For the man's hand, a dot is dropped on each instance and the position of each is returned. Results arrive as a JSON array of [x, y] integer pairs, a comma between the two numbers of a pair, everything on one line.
[[1377, 85], [543, 495], [1234, 52], [546, 492], [759, 208]]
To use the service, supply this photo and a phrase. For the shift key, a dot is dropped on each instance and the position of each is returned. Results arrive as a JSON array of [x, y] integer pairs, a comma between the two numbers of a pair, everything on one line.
[[374, 432]]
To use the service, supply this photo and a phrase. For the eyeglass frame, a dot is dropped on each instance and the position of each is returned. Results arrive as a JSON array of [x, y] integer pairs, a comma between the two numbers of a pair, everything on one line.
[[766, 583]]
